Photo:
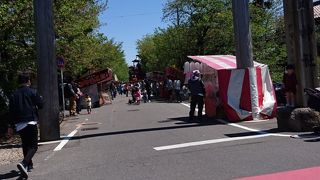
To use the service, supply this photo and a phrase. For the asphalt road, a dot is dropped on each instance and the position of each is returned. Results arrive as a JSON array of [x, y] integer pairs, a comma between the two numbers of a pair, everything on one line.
[[153, 141]]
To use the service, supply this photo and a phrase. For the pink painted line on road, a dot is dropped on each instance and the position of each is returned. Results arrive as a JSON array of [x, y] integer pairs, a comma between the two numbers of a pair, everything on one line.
[[301, 174]]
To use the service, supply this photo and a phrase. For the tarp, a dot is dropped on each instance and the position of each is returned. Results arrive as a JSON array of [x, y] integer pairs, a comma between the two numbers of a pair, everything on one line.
[[115, 78], [244, 93], [95, 78], [220, 62]]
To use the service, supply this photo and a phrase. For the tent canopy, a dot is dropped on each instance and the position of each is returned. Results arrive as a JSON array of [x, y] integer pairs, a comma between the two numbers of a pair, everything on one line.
[[220, 62], [245, 94]]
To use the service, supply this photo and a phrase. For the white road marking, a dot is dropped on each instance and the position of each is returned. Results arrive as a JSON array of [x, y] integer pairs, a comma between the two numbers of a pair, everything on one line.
[[280, 135], [213, 141], [261, 134], [257, 121], [230, 124], [305, 136], [241, 126], [67, 138], [49, 142], [244, 127]]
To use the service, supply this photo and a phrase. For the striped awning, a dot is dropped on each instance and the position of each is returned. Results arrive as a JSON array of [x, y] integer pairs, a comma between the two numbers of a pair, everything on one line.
[[219, 62], [316, 10]]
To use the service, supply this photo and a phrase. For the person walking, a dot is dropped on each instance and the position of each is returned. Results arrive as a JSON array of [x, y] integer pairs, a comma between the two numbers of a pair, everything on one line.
[[126, 89], [198, 92], [169, 87], [72, 95], [177, 89], [113, 90], [290, 85], [23, 107], [78, 98], [148, 89]]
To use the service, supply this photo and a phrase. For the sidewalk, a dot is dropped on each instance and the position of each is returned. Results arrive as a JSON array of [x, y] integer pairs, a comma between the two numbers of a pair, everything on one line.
[[11, 151]]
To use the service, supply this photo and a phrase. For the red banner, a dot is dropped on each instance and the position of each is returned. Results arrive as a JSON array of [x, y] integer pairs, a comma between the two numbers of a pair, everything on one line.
[[95, 78]]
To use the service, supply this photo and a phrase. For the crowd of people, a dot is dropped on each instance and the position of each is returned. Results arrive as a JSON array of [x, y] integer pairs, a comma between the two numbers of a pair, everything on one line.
[[138, 91], [146, 90]]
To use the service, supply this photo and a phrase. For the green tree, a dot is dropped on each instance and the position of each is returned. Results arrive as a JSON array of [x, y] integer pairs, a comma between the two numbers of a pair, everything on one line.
[[77, 40], [206, 27], [268, 35]]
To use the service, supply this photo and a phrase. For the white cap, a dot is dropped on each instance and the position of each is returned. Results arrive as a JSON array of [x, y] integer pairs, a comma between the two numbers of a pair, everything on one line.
[[196, 72]]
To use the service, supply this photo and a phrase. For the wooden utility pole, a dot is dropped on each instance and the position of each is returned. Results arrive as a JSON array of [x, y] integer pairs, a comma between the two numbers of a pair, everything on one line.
[[47, 70], [301, 44], [243, 40]]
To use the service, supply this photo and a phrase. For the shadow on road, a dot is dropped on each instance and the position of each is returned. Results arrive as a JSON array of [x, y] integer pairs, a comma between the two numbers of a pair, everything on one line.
[[164, 100], [308, 137], [185, 120], [312, 140], [243, 134], [182, 120], [274, 130], [10, 175], [10, 146]]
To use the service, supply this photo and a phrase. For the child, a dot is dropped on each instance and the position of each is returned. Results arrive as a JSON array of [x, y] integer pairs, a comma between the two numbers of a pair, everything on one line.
[[137, 96], [290, 85], [89, 103]]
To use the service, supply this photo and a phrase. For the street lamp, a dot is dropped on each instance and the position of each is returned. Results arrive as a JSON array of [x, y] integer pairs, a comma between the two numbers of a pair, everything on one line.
[[136, 61]]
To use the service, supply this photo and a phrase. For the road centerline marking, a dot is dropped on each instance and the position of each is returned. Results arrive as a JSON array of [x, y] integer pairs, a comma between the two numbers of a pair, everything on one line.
[[212, 141], [243, 127]]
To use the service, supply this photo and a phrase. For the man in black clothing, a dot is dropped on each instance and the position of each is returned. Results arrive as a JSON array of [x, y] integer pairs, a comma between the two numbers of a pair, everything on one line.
[[71, 93], [23, 107], [198, 93], [148, 89]]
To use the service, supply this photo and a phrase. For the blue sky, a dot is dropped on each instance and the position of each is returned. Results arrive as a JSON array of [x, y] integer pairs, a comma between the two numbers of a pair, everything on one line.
[[129, 20]]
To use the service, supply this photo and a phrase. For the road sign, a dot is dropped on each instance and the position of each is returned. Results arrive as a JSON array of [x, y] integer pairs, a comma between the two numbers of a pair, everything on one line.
[[60, 62]]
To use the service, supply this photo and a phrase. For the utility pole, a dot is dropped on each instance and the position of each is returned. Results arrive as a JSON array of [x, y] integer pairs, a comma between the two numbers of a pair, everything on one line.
[[178, 17], [301, 44], [47, 70], [243, 40]]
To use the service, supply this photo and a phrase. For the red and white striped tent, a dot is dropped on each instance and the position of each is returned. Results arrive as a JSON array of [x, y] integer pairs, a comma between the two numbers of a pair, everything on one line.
[[245, 94]]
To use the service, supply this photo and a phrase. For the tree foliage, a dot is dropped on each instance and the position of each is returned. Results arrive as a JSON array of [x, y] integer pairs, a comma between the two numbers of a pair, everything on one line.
[[76, 24], [77, 40], [203, 27]]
